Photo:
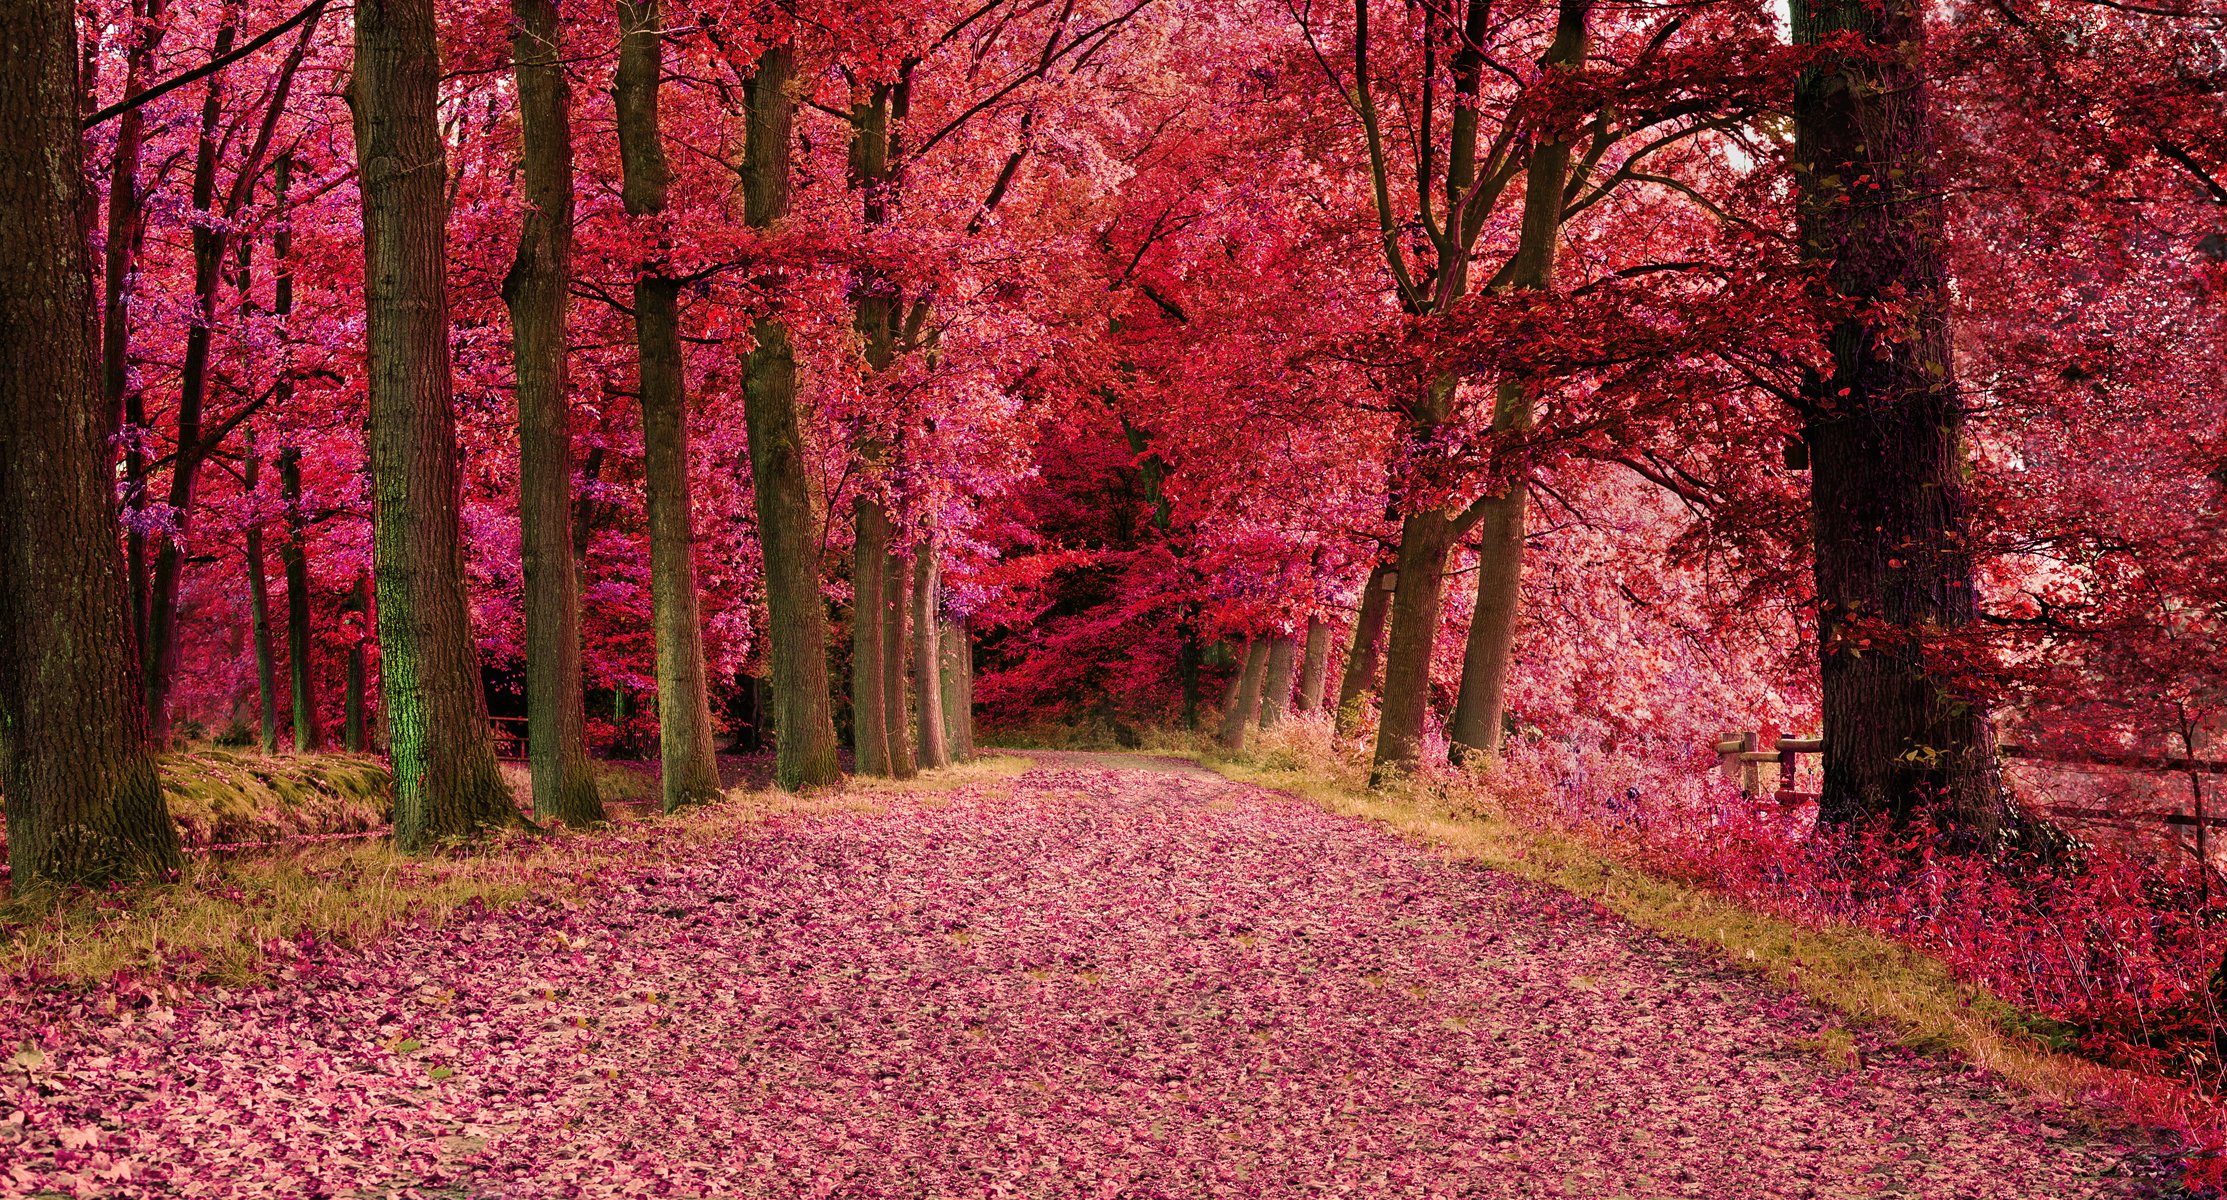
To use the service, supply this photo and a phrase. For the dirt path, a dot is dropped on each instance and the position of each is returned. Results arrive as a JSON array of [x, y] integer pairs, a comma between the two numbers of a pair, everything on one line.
[[1094, 982]]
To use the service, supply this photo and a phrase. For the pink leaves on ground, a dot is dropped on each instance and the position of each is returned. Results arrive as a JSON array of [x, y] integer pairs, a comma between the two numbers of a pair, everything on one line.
[[1094, 984]]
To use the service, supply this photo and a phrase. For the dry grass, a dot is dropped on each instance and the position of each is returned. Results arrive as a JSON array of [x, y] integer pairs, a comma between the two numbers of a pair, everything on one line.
[[219, 921], [1858, 974]]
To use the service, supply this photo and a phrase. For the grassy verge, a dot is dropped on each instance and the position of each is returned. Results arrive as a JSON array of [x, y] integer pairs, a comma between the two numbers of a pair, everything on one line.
[[1865, 977], [221, 919]]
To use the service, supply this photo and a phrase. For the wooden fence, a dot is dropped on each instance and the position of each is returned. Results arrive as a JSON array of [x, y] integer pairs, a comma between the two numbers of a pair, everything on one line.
[[1741, 757]]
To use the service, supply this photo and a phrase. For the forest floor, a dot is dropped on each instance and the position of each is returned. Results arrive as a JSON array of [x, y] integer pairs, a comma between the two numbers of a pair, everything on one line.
[[1108, 976]]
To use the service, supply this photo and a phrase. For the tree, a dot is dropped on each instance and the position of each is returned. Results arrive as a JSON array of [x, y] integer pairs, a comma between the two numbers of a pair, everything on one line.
[[446, 780], [537, 292], [1883, 428], [691, 771], [83, 802], [797, 619]]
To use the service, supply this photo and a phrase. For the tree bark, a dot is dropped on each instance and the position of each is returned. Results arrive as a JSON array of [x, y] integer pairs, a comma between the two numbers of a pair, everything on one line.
[[356, 703], [309, 737], [926, 659], [691, 768], [956, 651], [1425, 537], [896, 659], [788, 531], [259, 614], [1275, 696], [1314, 668], [1885, 437], [1237, 721], [869, 718], [537, 294], [1365, 657], [446, 780], [83, 803]]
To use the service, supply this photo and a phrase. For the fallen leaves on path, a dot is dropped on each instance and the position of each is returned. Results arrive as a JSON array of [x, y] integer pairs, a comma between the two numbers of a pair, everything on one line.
[[1090, 983]]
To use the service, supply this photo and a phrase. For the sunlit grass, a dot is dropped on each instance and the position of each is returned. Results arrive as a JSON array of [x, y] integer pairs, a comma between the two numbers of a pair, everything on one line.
[[1863, 976], [222, 919]]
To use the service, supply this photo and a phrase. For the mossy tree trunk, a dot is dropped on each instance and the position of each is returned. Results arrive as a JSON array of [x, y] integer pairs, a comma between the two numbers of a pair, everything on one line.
[[796, 615], [691, 769], [536, 293], [447, 783], [83, 803]]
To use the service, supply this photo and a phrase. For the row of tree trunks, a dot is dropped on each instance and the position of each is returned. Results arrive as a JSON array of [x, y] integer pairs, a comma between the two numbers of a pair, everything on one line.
[[690, 765], [537, 293], [83, 802], [198, 438], [796, 621], [1475, 728], [446, 780]]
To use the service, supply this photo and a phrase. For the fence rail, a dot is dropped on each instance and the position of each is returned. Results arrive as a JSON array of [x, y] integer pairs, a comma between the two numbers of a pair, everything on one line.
[[1741, 757]]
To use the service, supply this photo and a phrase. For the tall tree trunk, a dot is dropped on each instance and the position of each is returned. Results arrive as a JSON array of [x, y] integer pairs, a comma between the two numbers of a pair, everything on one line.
[[309, 735], [1365, 657], [161, 649], [292, 553], [874, 674], [536, 293], [1314, 665], [927, 661], [955, 652], [83, 803], [1885, 436], [259, 614], [869, 559], [691, 768], [1425, 538], [896, 659], [796, 622], [1237, 720], [1500, 516], [1275, 696], [127, 227], [356, 717], [446, 780]]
